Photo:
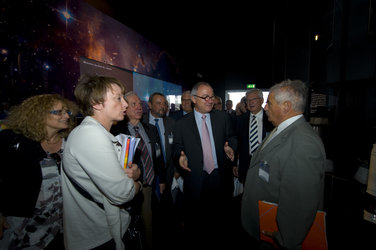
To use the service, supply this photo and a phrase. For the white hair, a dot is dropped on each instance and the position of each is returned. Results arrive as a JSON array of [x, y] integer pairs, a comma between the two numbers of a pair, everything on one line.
[[294, 91]]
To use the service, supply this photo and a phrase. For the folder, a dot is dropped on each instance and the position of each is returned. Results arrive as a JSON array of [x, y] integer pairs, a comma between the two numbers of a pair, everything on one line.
[[129, 144], [315, 239]]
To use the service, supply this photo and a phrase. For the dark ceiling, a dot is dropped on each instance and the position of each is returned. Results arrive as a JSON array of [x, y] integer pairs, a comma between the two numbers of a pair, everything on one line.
[[211, 40]]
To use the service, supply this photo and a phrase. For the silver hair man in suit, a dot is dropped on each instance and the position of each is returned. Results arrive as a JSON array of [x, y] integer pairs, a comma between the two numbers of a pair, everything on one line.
[[287, 168]]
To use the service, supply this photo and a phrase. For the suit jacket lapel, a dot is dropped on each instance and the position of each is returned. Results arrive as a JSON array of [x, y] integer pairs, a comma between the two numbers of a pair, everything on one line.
[[214, 126], [260, 151], [282, 136], [195, 133]]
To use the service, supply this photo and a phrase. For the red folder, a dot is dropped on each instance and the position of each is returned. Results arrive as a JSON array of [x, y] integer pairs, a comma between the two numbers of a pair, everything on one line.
[[315, 239]]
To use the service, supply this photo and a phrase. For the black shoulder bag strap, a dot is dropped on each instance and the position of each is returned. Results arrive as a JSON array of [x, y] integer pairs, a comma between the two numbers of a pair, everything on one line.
[[81, 190]]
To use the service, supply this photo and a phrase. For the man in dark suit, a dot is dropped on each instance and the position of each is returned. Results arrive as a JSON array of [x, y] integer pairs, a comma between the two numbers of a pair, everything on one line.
[[287, 168], [157, 117], [149, 135], [254, 100], [186, 106], [166, 211], [203, 143], [229, 106]]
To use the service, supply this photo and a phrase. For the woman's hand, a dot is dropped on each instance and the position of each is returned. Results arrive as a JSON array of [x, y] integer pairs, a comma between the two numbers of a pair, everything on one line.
[[133, 171]]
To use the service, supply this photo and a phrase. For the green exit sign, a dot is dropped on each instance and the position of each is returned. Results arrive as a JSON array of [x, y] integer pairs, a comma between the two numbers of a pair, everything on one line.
[[251, 86]]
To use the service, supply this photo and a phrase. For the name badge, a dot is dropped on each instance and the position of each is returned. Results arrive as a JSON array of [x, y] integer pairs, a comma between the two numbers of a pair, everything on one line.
[[157, 150], [49, 168], [170, 138], [264, 171]]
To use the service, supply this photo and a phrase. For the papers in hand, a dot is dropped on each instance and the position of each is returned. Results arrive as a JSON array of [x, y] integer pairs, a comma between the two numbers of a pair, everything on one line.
[[177, 183], [128, 148]]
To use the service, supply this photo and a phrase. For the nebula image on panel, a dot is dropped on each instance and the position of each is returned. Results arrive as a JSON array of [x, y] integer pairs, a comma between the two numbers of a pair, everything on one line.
[[43, 41]]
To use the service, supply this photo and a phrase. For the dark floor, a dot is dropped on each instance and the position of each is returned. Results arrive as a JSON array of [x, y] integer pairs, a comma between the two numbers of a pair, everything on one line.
[[345, 200]]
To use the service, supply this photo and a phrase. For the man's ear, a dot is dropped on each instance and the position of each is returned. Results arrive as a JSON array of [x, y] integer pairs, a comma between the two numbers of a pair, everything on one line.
[[193, 99], [287, 107], [149, 104]]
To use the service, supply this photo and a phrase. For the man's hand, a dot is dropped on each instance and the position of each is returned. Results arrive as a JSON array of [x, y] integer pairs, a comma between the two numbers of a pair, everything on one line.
[[162, 187], [183, 161], [235, 171], [229, 151], [273, 236]]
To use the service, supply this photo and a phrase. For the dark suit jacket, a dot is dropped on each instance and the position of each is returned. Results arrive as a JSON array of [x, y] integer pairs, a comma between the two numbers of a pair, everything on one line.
[[296, 161], [176, 115], [152, 132], [169, 125], [242, 133], [187, 139]]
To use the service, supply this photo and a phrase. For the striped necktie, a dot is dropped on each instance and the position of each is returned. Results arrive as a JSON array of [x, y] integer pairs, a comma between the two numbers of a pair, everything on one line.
[[253, 136], [145, 159]]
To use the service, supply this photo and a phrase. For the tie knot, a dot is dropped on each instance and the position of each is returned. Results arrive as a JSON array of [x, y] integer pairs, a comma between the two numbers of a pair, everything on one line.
[[156, 120], [203, 117]]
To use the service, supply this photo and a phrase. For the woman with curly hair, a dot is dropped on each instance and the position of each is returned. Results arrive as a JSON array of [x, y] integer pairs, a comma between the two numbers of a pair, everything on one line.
[[31, 148]]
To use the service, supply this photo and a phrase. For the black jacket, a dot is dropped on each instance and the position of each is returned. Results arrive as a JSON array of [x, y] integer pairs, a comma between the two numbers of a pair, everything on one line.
[[242, 133], [20, 174]]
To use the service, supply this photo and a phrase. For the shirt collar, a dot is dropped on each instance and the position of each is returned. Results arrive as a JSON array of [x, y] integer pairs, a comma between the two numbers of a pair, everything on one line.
[[258, 115], [199, 115], [287, 123], [152, 118]]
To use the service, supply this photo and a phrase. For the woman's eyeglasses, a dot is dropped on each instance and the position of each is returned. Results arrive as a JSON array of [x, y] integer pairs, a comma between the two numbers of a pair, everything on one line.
[[61, 112]]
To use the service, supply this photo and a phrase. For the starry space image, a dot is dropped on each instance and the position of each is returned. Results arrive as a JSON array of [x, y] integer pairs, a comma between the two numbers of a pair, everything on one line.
[[42, 43]]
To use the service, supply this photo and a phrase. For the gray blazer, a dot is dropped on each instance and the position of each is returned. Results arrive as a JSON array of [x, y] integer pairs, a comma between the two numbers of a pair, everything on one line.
[[295, 160]]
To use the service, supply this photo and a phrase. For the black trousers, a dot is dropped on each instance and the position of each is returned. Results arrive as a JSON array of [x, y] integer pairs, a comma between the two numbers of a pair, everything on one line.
[[207, 221], [129, 244]]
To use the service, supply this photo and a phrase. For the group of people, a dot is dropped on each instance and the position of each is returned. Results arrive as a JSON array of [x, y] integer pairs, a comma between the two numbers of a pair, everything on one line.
[[63, 185]]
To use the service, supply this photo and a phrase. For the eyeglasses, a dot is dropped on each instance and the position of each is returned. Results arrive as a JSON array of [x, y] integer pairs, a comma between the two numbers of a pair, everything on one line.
[[253, 99], [206, 98], [60, 112]]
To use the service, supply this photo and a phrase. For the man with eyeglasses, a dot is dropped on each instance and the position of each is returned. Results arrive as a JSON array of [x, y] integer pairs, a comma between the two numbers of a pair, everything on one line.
[[249, 137], [203, 145], [135, 126]]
